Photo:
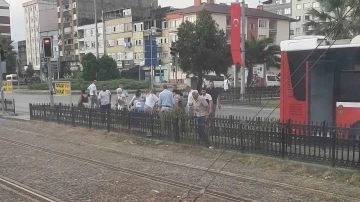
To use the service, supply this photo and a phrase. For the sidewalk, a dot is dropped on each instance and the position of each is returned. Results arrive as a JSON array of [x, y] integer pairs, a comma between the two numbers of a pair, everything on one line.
[[46, 92], [19, 117]]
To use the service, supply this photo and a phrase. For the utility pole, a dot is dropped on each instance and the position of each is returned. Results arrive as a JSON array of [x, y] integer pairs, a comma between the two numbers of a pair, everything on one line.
[[1, 88], [103, 28], [176, 68], [96, 32], [50, 82], [243, 21]]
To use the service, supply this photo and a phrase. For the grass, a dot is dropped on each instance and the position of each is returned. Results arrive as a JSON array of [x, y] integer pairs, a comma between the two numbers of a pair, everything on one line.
[[273, 103]]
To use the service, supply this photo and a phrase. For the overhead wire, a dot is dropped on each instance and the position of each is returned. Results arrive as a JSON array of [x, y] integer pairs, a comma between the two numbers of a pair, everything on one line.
[[228, 161]]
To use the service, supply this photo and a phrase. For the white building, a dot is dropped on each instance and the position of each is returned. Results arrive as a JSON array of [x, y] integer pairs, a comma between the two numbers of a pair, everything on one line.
[[4, 18], [87, 40], [300, 11], [38, 15]]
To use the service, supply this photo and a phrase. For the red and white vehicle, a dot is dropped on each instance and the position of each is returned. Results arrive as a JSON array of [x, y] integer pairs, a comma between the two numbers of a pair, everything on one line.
[[326, 87]]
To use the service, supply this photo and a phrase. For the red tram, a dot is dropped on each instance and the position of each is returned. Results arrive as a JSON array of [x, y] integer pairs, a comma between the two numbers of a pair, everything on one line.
[[320, 83]]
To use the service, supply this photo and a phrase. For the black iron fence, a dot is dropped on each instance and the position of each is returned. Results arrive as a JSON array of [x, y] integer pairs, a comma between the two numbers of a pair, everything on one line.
[[319, 143], [9, 105], [253, 96]]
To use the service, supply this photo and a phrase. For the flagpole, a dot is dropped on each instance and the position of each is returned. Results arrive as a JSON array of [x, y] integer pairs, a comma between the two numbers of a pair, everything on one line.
[[243, 21]]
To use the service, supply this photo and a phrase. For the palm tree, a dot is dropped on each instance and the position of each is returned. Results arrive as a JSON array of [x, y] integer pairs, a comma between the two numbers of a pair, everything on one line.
[[261, 51], [334, 19]]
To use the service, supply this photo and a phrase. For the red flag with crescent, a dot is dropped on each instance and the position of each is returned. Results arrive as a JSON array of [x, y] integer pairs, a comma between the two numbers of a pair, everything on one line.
[[235, 33]]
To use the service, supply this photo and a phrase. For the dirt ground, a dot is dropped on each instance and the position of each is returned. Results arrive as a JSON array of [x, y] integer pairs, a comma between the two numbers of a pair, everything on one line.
[[251, 176]]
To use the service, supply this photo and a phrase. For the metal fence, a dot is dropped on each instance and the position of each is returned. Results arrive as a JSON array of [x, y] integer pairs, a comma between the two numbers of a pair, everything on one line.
[[9, 105], [253, 96], [319, 143]]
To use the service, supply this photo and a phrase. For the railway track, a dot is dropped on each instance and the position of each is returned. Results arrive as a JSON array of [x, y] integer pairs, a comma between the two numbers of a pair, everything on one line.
[[26, 191], [224, 173], [209, 192]]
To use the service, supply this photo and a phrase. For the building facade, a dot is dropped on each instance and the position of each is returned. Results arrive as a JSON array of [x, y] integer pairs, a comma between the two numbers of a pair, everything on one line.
[[4, 18], [300, 13], [280, 7], [87, 40], [73, 14], [22, 59], [259, 23], [39, 15]]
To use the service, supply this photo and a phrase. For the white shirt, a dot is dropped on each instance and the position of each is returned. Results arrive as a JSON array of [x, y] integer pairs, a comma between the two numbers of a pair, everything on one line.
[[92, 89], [190, 98], [207, 97], [104, 97], [226, 84], [151, 100]]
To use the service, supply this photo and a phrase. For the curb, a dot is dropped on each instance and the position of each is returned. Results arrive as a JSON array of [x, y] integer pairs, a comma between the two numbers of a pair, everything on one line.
[[45, 92]]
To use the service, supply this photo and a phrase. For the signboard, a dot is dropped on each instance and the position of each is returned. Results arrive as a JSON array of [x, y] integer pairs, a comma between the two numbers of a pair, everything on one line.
[[150, 53], [62, 88], [7, 86]]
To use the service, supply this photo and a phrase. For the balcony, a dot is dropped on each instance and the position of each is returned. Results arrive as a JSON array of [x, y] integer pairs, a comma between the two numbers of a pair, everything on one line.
[[273, 30]]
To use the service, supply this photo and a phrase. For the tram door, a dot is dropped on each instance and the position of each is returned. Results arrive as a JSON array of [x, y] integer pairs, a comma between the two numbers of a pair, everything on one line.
[[320, 89]]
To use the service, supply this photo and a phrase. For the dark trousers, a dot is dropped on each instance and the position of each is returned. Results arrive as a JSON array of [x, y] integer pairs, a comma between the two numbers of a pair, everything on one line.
[[103, 110], [200, 122]]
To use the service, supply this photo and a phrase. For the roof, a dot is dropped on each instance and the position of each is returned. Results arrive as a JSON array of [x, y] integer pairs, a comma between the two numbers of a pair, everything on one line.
[[225, 9], [3, 3]]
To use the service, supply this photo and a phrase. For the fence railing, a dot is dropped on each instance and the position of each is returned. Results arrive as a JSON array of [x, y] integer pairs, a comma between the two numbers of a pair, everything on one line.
[[9, 105], [253, 95], [319, 143]]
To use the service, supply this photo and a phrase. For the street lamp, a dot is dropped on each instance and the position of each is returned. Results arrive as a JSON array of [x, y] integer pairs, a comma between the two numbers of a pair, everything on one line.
[[151, 31]]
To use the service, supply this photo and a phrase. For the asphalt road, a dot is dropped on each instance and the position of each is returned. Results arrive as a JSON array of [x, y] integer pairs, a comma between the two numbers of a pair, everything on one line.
[[22, 102]]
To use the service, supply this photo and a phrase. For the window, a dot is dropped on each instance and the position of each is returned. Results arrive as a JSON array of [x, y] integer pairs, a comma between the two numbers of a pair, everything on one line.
[[93, 32], [298, 6], [93, 44], [298, 18], [307, 17], [287, 11], [120, 42], [252, 26], [262, 37], [262, 23], [279, 12], [305, 28], [164, 25], [74, 5], [121, 28], [315, 4], [297, 30], [67, 30], [58, 9], [75, 16], [306, 5], [87, 33], [110, 43], [138, 42]]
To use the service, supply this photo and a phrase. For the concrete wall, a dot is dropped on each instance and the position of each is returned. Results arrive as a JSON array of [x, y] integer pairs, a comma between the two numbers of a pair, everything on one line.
[[283, 31]]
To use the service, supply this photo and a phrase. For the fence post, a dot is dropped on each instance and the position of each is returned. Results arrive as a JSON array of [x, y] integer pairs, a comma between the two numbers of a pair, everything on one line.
[[57, 114], [333, 149], [241, 138], [31, 111], [108, 119], [14, 105], [72, 115], [129, 120], [283, 142], [44, 106], [152, 124], [260, 96], [177, 132], [90, 118]]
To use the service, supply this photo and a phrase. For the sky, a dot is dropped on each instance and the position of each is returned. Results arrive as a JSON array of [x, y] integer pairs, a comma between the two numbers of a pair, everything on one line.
[[17, 13]]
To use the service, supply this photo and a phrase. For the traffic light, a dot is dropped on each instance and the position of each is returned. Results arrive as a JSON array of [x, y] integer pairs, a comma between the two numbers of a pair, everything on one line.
[[47, 47]]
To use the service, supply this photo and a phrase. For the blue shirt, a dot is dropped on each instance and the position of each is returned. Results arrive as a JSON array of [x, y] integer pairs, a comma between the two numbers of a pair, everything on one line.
[[166, 99]]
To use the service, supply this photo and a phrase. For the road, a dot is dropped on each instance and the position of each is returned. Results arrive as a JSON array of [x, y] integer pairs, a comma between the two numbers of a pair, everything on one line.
[[22, 102]]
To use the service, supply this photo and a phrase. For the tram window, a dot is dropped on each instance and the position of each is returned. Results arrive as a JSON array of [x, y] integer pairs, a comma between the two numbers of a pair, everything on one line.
[[349, 87]]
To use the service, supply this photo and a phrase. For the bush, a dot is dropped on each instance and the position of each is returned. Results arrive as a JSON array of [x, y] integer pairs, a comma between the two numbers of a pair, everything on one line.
[[79, 84]]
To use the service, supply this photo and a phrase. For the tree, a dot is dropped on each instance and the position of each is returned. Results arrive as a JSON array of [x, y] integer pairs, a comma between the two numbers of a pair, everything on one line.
[[261, 51], [5, 45], [108, 69], [334, 19], [90, 67], [30, 71], [203, 47]]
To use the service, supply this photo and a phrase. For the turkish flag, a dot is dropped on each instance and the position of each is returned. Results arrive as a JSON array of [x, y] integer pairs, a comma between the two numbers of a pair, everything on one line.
[[235, 33]]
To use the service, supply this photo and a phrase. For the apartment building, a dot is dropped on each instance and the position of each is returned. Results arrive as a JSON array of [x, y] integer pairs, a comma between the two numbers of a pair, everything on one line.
[[73, 14], [87, 39], [280, 7], [21, 52], [39, 15], [300, 10], [259, 23], [4, 18]]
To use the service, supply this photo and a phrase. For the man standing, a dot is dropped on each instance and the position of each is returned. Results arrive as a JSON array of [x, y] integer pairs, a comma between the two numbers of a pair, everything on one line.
[[215, 94], [190, 101], [151, 100], [105, 99], [201, 109], [226, 84], [166, 100], [93, 95]]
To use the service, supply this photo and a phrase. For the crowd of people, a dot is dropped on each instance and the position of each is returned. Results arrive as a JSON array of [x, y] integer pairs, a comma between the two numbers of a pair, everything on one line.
[[201, 105]]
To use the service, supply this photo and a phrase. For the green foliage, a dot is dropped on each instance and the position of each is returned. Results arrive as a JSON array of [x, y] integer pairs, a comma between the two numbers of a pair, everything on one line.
[[5, 44], [103, 69], [260, 52], [30, 71], [108, 69], [90, 67], [203, 47], [79, 84], [334, 19]]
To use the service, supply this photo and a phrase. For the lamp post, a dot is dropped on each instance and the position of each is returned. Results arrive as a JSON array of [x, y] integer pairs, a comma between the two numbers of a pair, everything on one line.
[[152, 68]]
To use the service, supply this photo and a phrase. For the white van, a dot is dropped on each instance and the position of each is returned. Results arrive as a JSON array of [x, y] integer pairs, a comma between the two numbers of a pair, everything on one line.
[[13, 78], [272, 80]]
